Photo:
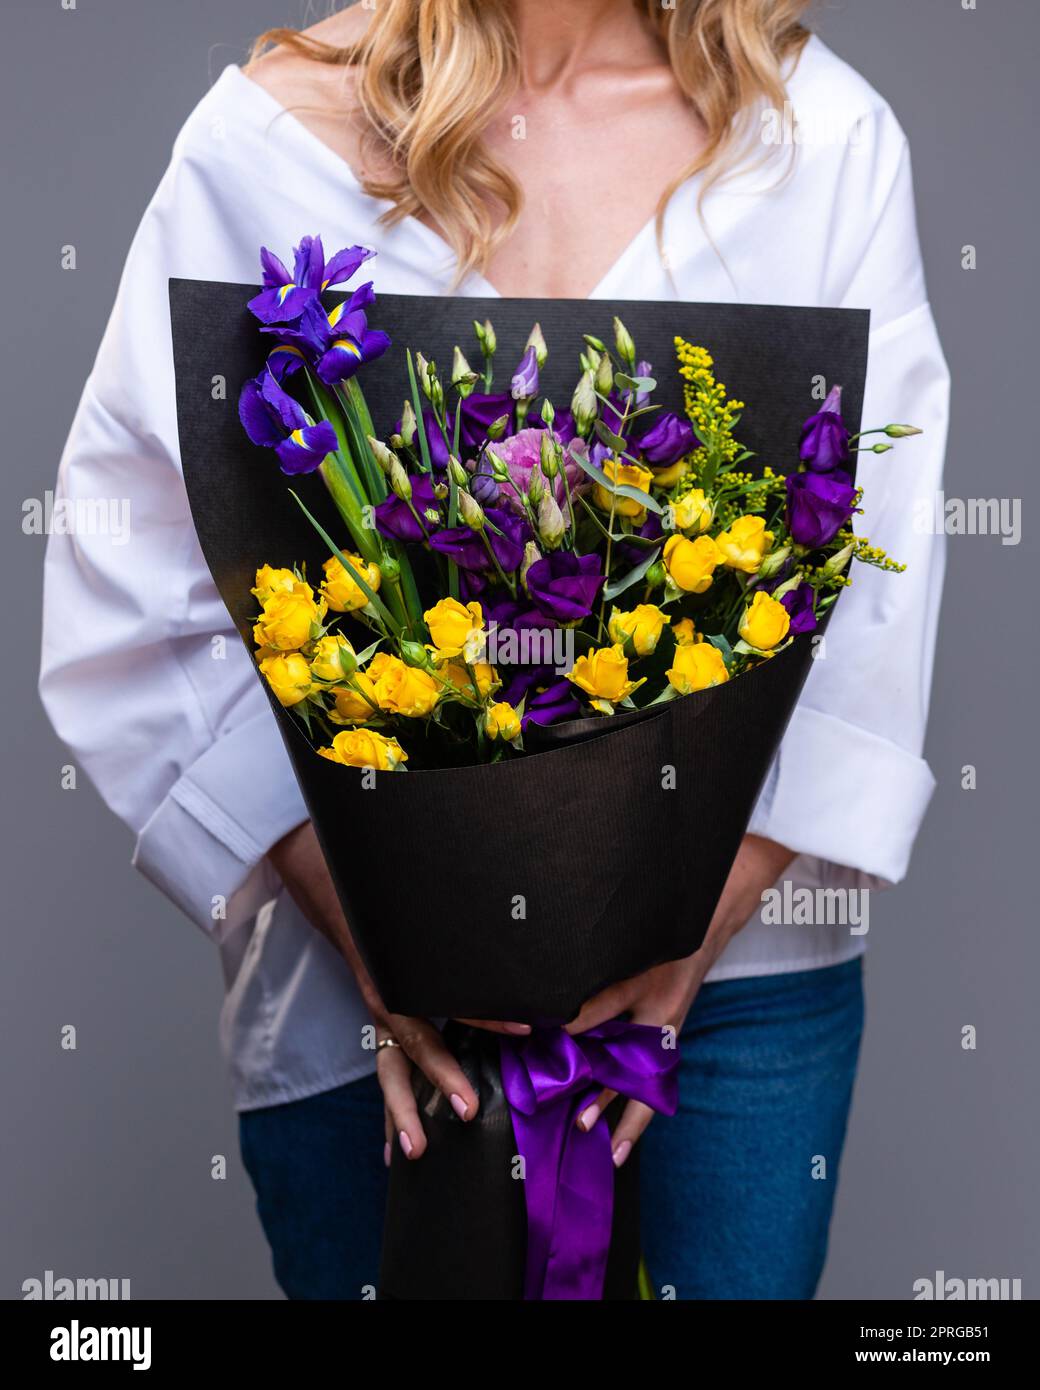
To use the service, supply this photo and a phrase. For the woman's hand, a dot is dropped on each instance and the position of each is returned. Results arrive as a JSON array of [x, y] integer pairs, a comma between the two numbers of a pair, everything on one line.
[[663, 996], [404, 1041]]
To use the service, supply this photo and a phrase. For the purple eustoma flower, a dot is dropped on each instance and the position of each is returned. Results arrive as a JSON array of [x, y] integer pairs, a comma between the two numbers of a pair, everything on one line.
[[480, 412], [564, 586], [825, 439], [799, 604], [273, 419], [667, 440], [284, 296], [396, 518], [549, 697], [467, 548], [524, 385], [818, 506]]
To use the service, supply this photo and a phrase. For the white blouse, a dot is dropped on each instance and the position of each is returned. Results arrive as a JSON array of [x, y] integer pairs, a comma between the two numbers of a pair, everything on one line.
[[174, 728]]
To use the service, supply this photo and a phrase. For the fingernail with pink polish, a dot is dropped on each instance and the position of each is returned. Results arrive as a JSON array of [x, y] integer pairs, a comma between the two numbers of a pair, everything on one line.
[[589, 1117], [406, 1144], [386, 1153], [459, 1106], [622, 1152], [519, 1030]]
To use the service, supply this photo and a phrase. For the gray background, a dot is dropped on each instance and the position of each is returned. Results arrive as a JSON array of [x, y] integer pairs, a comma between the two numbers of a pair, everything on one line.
[[105, 1167]]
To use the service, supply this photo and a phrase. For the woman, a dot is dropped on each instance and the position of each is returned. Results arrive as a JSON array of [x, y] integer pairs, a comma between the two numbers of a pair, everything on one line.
[[599, 149]]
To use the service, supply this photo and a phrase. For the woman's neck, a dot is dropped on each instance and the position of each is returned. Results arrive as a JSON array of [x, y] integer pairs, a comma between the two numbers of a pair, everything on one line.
[[559, 39]]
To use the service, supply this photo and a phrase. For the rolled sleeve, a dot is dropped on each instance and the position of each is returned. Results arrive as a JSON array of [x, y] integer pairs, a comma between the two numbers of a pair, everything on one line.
[[220, 818], [845, 795]]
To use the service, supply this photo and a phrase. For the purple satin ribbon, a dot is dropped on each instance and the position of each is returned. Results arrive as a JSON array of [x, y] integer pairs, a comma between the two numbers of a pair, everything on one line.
[[548, 1078]]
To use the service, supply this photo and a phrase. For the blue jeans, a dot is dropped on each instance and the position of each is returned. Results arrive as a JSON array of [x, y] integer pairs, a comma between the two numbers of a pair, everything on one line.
[[737, 1188]]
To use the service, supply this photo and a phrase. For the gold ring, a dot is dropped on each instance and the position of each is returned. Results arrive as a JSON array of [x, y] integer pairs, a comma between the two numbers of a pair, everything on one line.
[[387, 1042]]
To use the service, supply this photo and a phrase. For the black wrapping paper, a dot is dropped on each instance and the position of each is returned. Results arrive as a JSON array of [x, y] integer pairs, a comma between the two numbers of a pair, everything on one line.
[[456, 1224], [516, 891]]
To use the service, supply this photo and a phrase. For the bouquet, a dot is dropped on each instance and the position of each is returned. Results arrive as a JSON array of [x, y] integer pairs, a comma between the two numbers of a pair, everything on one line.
[[576, 604]]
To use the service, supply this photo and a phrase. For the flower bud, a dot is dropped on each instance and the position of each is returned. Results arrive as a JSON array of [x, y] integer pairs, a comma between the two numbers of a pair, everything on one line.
[[656, 575], [485, 337], [584, 405], [382, 455], [440, 491], [548, 413], [531, 557], [415, 654], [550, 455], [774, 563], [595, 344], [389, 568], [836, 564], [498, 427], [604, 376], [422, 373], [400, 481], [471, 511], [396, 441], [456, 472], [407, 422], [901, 431], [881, 449], [536, 340], [499, 471], [626, 348], [536, 485], [550, 522], [463, 377]]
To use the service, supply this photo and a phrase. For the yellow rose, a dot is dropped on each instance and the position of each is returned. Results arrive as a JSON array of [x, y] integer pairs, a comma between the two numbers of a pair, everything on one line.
[[327, 664], [502, 721], [696, 665], [745, 543], [639, 630], [486, 677], [692, 511], [354, 705], [288, 618], [691, 564], [626, 475], [603, 675], [684, 631], [401, 689], [455, 628], [270, 580], [343, 595], [765, 623], [365, 748], [674, 473], [289, 677]]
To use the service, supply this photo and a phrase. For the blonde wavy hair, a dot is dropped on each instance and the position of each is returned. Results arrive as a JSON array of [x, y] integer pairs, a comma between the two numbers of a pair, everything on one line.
[[431, 74]]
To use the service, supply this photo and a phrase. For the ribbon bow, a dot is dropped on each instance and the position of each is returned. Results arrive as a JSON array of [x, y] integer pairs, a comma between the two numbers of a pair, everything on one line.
[[548, 1078]]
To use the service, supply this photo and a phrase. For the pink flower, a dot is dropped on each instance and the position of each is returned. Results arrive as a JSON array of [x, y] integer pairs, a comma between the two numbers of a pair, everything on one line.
[[520, 452]]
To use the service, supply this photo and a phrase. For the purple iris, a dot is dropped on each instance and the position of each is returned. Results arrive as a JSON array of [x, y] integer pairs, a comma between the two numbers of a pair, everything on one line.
[[799, 604], [467, 547], [667, 440], [825, 439], [564, 586], [396, 518], [525, 379], [284, 296], [336, 343], [273, 419], [818, 506]]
